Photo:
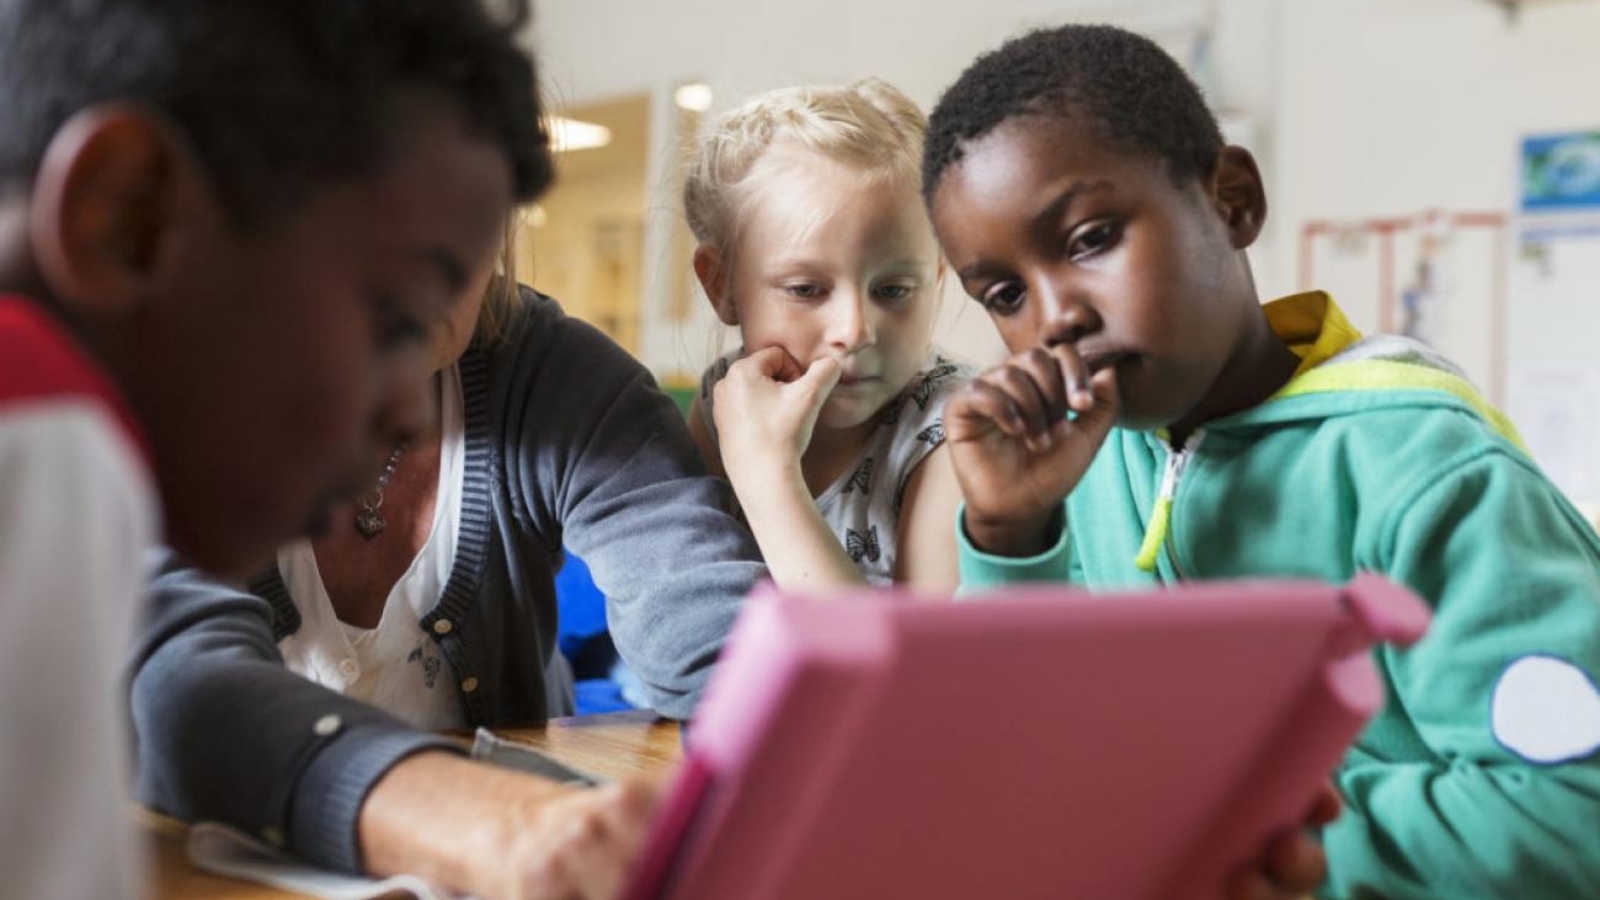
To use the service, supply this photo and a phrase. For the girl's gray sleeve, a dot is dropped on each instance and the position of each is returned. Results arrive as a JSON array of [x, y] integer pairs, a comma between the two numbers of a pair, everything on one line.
[[608, 462], [225, 732]]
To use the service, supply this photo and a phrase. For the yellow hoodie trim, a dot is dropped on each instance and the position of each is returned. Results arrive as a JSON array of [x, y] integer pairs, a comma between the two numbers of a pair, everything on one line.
[[1155, 534], [1312, 325], [1316, 330], [1389, 375]]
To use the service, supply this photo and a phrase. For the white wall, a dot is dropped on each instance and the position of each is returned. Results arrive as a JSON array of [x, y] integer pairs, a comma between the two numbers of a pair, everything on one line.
[[1392, 107], [1396, 105]]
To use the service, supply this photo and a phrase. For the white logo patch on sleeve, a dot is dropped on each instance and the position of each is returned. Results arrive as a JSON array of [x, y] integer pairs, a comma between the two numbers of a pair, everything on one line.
[[1546, 710]]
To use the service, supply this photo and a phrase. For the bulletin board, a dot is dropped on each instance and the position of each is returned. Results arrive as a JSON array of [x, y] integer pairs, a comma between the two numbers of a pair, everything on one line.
[[1438, 276], [1552, 340], [1513, 300], [1554, 373]]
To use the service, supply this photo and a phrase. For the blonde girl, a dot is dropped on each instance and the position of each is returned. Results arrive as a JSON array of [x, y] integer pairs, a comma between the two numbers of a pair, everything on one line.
[[814, 242]]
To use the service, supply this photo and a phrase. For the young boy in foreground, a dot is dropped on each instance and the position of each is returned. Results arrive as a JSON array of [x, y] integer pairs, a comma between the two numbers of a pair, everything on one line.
[[1157, 424]]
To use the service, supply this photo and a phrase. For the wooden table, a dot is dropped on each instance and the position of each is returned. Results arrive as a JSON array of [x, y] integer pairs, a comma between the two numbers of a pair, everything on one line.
[[611, 745]]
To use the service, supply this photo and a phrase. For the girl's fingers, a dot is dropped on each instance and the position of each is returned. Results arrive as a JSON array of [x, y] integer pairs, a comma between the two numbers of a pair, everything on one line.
[[818, 380], [774, 363]]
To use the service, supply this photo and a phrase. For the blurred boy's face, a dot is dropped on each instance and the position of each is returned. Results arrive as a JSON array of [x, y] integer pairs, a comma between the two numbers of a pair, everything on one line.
[[273, 369], [1066, 241]]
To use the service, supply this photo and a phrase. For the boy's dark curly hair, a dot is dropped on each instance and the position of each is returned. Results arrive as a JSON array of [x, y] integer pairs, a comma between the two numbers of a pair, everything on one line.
[[275, 96], [1120, 85]]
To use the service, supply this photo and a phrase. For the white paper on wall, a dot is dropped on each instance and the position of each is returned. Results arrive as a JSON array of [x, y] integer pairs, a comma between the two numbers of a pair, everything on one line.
[[1555, 409]]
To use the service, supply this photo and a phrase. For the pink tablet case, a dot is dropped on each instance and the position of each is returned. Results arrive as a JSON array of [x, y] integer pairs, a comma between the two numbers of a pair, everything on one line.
[[1042, 743]]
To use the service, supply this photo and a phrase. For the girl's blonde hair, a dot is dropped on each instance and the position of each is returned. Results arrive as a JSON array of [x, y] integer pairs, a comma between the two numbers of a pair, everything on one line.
[[868, 125], [503, 295]]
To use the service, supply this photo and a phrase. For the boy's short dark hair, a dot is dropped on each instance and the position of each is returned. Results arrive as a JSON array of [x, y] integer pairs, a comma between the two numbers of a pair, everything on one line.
[[1120, 84], [275, 96]]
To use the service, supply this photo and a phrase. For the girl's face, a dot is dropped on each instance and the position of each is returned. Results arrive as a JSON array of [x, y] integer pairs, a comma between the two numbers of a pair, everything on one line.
[[834, 262]]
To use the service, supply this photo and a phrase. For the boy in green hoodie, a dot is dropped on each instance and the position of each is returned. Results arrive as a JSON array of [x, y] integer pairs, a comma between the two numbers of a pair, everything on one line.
[[1157, 424]]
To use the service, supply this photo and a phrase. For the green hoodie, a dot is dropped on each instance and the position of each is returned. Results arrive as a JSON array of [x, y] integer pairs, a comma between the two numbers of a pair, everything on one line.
[[1480, 777]]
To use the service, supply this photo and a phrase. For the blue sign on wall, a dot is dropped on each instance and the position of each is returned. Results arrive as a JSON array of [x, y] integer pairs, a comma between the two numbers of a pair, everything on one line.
[[1561, 171]]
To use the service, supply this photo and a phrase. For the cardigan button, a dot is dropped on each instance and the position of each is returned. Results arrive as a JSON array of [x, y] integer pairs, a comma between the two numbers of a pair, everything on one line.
[[469, 685], [443, 626], [327, 725]]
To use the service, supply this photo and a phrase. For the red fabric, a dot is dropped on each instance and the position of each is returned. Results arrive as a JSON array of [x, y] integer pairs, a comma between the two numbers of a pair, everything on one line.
[[40, 362]]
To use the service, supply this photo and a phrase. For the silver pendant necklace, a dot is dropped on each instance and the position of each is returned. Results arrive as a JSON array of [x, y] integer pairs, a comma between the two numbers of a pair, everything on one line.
[[369, 520]]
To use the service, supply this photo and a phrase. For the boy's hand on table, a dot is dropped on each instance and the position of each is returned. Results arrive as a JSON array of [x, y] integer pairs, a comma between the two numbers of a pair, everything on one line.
[[1293, 863], [1016, 455], [506, 835]]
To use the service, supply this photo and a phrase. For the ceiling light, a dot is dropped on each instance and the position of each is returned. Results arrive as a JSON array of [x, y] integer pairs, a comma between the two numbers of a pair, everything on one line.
[[570, 134], [694, 96]]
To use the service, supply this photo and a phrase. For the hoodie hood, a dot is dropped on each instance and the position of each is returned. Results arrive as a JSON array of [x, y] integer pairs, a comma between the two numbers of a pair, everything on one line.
[[1342, 372]]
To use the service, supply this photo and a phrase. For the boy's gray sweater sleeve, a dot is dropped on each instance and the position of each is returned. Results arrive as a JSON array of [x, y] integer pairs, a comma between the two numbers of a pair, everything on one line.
[[225, 732], [609, 464]]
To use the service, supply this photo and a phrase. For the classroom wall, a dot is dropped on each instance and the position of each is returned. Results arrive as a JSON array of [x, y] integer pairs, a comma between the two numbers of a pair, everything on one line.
[[581, 243], [1397, 105], [1390, 108], [1355, 108]]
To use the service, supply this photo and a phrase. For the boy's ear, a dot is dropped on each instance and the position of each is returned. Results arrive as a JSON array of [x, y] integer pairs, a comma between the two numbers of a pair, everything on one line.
[[712, 270], [1240, 195], [102, 206]]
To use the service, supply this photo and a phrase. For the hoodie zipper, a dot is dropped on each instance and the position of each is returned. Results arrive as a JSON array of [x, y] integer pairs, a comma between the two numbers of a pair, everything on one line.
[[1159, 531]]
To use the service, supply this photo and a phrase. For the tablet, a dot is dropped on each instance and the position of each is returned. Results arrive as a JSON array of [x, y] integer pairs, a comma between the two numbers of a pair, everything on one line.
[[1041, 742]]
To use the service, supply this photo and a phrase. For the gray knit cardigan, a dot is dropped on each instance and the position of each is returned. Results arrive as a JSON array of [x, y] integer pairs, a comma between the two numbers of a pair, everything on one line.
[[569, 442]]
